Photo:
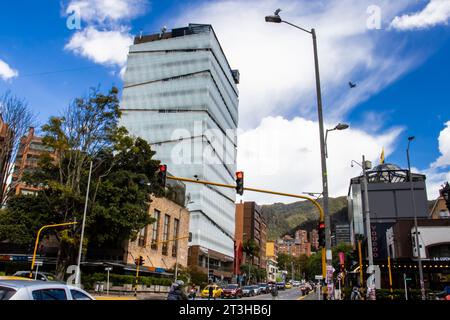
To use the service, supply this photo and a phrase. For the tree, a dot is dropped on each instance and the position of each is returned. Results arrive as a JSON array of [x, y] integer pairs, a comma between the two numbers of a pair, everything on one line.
[[123, 179], [16, 119], [251, 249]]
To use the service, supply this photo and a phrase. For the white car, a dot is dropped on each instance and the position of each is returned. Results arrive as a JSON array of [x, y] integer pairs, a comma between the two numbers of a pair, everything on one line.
[[40, 290]]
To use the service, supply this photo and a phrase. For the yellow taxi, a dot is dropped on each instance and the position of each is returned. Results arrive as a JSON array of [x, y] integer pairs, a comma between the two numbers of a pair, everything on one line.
[[217, 291], [288, 285], [14, 278]]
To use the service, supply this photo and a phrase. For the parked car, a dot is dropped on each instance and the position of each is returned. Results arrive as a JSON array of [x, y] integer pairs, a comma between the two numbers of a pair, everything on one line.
[[296, 283], [232, 291], [217, 291], [40, 290], [43, 276], [249, 291], [281, 285], [264, 288], [288, 285]]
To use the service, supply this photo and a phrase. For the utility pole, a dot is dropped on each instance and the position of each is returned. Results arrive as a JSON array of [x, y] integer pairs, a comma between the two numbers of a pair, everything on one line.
[[419, 258], [78, 276], [371, 269]]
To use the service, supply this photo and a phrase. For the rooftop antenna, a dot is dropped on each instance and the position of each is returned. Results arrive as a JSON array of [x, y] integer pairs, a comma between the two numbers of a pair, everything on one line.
[[163, 30]]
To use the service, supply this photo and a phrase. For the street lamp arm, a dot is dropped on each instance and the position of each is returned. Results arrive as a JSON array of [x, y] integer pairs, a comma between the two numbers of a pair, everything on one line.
[[291, 24]]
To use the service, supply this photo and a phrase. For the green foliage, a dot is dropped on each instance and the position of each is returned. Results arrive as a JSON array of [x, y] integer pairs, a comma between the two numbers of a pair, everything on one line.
[[198, 277], [123, 177], [251, 248], [119, 280], [286, 218]]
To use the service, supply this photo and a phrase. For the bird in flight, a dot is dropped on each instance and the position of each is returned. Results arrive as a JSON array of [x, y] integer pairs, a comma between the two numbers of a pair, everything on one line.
[[352, 85]]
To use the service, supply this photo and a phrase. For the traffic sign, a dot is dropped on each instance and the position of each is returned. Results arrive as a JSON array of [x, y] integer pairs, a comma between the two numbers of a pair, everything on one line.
[[319, 277], [38, 263]]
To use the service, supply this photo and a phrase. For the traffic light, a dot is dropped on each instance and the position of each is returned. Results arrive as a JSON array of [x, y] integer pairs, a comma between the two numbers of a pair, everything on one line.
[[139, 261], [162, 175], [240, 183], [190, 237], [445, 193], [321, 232]]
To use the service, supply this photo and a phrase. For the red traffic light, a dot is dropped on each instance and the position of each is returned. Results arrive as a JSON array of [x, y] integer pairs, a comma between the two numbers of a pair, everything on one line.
[[162, 168], [240, 175], [321, 225]]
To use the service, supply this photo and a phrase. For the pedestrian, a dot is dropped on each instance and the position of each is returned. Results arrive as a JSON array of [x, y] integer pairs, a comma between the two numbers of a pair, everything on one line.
[[356, 295], [325, 292], [274, 291], [193, 292], [176, 292], [211, 292]]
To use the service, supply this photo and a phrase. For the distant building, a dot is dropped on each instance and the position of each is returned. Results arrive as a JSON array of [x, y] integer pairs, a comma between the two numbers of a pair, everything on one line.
[[301, 236], [250, 225], [272, 262], [439, 209], [30, 150], [314, 238], [295, 247]]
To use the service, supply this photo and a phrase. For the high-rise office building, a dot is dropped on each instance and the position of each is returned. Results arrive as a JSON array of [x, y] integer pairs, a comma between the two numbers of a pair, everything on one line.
[[181, 95]]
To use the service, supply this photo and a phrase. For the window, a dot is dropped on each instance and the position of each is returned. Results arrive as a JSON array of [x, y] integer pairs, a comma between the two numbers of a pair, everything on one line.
[[49, 294], [6, 293], [78, 295], [142, 236], [176, 227], [166, 234], [155, 229]]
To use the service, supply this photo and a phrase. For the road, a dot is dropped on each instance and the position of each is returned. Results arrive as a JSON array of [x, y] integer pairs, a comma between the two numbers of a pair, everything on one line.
[[289, 294]]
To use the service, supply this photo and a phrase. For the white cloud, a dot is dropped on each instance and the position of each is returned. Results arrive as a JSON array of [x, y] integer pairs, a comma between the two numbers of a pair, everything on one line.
[[436, 12], [6, 72], [103, 47], [276, 60], [444, 148], [284, 155], [101, 11], [106, 39], [439, 171]]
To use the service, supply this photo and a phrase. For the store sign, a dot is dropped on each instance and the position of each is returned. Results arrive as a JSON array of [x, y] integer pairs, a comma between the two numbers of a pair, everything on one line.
[[440, 258]]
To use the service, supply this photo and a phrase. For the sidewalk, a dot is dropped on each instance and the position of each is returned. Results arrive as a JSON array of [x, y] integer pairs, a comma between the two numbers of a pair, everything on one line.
[[140, 296]]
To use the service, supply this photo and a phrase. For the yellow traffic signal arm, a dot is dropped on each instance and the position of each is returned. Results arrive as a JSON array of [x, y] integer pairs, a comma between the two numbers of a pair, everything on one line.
[[37, 240], [254, 190]]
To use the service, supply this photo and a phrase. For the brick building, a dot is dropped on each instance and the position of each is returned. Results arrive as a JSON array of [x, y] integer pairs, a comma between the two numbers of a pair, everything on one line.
[[31, 148], [314, 239], [172, 221], [250, 225]]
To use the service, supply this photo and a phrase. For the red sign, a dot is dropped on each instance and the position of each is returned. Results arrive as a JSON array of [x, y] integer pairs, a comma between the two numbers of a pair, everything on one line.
[[341, 258]]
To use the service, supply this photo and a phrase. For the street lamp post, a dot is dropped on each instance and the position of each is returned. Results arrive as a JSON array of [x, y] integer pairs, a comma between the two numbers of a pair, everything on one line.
[[277, 19], [419, 258], [371, 269], [78, 275]]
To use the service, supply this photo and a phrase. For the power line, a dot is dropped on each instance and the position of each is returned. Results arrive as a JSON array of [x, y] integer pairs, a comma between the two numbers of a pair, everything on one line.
[[59, 71]]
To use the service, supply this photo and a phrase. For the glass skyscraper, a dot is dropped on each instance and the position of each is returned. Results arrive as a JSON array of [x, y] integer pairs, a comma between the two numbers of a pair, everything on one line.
[[181, 95]]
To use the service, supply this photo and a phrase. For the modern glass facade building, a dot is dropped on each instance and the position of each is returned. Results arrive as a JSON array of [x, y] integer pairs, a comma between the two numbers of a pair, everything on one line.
[[181, 95]]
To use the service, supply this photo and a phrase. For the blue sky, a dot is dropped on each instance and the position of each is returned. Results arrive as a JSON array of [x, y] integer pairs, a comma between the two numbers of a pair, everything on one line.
[[401, 70]]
